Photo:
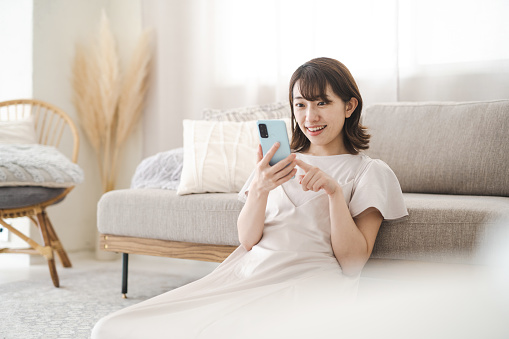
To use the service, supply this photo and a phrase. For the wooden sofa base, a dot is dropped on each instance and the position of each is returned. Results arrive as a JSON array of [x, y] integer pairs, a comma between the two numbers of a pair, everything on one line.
[[161, 248], [165, 248]]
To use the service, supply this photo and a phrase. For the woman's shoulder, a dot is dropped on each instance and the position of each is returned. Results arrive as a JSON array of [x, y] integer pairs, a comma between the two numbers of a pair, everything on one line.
[[366, 159], [373, 167]]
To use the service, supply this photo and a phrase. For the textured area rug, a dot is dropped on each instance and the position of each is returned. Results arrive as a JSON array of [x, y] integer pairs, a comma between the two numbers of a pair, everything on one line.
[[35, 309], [462, 304]]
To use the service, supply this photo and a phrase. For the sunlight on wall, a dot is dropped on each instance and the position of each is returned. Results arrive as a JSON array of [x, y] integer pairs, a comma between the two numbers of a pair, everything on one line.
[[454, 31], [16, 82], [243, 45], [417, 45], [227, 53], [16, 41], [453, 50], [257, 41]]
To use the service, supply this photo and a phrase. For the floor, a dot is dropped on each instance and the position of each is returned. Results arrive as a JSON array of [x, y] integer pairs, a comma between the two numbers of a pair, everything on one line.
[[378, 273], [15, 267], [455, 301]]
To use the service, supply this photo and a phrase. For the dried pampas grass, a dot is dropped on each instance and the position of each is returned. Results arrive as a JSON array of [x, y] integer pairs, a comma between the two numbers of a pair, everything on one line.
[[130, 103], [134, 88], [109, 108], [89, 114]]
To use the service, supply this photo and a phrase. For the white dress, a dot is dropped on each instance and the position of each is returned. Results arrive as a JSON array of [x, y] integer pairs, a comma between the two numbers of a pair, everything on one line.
[[285, 286]]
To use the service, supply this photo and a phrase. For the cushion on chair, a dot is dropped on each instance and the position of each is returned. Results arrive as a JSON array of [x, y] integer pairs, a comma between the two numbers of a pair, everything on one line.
[[20, 131], [37, 165], [446, 148], [22, 196]]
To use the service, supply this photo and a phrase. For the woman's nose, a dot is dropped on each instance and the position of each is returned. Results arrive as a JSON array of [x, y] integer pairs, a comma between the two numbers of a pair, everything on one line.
[[312, 114]]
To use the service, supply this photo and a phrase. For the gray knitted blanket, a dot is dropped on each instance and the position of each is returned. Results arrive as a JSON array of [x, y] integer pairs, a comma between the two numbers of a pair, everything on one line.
[[161, 170], [37, 165]]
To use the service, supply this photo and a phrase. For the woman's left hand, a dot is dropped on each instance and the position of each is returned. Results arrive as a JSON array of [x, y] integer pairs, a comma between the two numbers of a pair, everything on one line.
[[315, 179]]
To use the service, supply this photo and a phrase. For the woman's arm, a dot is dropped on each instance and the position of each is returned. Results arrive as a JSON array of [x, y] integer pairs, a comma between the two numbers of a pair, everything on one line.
[[251, 220], [352, 239]]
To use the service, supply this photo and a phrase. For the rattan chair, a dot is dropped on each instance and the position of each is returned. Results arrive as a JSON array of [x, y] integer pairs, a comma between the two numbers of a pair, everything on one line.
[[51, 123]]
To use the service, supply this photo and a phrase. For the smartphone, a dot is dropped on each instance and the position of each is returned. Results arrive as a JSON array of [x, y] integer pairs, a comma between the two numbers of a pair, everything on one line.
[[270, 132]]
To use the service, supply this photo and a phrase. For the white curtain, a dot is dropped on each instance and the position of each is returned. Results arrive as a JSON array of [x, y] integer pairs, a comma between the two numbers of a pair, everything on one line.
[[234, 53], [453, 50]]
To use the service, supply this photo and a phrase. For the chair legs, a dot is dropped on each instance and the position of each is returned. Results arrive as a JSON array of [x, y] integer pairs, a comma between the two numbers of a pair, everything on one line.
[[56, 244], [43, 228], [50, 243]]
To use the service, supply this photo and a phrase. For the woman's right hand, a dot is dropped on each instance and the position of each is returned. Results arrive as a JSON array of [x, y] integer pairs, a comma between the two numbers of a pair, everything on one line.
[[251, 220], [268, 177]]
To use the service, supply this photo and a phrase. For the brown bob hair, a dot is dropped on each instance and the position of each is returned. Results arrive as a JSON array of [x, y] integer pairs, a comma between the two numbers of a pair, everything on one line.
[[314, 76]]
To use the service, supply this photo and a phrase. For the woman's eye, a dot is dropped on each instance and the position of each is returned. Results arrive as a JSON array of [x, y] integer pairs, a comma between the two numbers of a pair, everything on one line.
[[299, 105], [322, 103]]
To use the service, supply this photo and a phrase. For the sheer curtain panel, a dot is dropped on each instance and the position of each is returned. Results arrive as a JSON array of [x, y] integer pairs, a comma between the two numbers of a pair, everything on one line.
[[234, 53]]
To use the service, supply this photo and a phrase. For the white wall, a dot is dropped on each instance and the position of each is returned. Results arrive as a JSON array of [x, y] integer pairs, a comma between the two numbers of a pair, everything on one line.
[[16, 80], [15, 36], [58, 26]]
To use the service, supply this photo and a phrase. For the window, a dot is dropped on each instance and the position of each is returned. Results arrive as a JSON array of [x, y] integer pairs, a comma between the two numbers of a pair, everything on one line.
[[16, 57]]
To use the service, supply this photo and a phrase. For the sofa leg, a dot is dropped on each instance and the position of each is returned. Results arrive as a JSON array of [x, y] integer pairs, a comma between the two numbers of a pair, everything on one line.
[[125, 263]]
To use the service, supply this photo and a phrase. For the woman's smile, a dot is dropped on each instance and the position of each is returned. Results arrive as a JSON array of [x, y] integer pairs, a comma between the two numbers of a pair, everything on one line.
[[315, 130]]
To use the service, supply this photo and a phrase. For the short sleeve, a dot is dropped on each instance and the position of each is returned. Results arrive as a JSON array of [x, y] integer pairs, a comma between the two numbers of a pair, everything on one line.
[[377, 186], [242, 196]]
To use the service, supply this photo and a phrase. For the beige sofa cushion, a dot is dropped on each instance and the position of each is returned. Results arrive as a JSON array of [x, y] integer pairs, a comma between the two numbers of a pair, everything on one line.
[[209, 218], [449, 148], [442, 228], [439, 228]]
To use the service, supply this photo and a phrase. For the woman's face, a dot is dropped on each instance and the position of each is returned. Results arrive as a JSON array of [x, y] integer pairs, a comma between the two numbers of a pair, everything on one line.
[[322, 121]]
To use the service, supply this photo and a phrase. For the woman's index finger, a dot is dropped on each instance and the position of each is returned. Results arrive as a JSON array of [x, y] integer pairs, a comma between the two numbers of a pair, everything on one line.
[[305, 166]]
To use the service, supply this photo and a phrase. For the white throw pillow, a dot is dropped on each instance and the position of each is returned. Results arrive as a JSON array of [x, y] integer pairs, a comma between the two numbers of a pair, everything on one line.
[[219, 156], [18, 132]]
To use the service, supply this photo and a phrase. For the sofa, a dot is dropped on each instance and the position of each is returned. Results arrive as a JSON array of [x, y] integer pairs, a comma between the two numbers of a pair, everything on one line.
[[451, 159]]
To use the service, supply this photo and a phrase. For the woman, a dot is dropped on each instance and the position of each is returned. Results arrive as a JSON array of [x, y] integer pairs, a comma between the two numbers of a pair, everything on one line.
[[303, 241]]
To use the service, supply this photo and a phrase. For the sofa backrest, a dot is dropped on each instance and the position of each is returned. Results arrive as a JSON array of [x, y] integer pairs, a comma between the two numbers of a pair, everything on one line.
[[443, 148]]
